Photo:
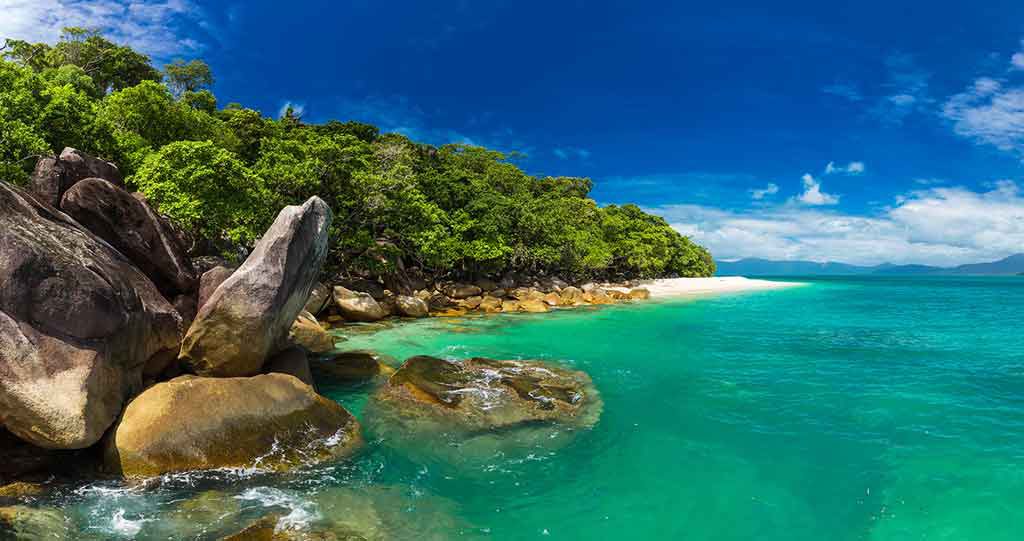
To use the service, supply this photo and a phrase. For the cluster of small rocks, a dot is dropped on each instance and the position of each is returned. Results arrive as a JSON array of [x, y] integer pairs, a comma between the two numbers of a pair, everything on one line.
[[367, 301]]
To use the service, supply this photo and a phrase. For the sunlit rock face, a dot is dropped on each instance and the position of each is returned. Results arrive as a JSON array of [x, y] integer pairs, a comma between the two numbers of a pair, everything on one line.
[[470, 410], [269, 422]]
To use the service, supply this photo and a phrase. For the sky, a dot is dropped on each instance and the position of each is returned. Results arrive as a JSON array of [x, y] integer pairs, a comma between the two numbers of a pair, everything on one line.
[[862, 132]]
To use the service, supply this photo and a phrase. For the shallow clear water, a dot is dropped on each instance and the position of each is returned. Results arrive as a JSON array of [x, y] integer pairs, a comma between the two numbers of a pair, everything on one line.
[[867, 408]]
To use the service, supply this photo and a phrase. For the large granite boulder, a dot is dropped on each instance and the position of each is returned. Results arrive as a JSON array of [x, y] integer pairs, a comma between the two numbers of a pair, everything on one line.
[[55, 175], [272, 421], [78, 323], [411, 306], [358, 306], [210, 281], [247, 318], [131, 226]]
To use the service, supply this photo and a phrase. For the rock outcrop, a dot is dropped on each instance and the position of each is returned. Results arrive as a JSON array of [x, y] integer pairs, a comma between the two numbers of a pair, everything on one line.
[[358, 306], [272, 422], [78, 323], [466, 412], [411, 306], [131, 226], [485, 394], [210, 281], [247, 318], [307, 332], [55, 175]]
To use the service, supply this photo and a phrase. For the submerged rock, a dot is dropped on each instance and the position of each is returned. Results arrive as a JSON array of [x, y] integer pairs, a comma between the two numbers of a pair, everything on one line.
[[352, 366], [358, 306], [271, 422], [78, 323], [248, 317], [131, 226], [28, 523], [481, 406]]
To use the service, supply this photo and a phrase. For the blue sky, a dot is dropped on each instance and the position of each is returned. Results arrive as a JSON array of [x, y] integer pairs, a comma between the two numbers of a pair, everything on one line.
[[853, 131]]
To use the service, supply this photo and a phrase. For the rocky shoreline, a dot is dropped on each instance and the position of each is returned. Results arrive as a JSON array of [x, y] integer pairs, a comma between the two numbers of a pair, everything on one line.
[[119, 359]]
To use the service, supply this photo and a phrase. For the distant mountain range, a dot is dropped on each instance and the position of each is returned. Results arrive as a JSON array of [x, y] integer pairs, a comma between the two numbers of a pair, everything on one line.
[[1009, 266]]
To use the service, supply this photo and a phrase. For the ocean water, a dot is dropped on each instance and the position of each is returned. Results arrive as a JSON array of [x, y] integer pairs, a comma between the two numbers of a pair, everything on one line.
[[847, 409]]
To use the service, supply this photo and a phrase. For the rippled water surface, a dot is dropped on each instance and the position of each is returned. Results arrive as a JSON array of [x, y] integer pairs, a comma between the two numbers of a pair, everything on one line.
[[881, 409]]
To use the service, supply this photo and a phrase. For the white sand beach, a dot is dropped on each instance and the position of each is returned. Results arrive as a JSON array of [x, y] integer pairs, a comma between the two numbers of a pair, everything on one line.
[[676, 287]]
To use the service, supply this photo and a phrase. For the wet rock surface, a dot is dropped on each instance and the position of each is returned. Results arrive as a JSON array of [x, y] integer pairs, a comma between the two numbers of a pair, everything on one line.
[[271, 422], [481, 394]]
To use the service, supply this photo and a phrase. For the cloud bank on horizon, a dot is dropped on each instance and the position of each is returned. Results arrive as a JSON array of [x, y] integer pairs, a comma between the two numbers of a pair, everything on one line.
[[824, 133]]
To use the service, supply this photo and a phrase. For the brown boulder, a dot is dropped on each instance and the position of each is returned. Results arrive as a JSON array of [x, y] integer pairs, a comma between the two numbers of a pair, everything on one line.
[[55, 175], [357, 365], [533, 306], [135, 230], [571, 296], [358, 306], [307, 332], [490, 305], [411, 306], [292, 361], [248, 317], [639, 293], [78, 322], [462, 291], [552, 299], [271, 422]]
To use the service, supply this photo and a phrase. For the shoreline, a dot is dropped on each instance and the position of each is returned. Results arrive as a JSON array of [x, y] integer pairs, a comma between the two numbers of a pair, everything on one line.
[[663, 288]]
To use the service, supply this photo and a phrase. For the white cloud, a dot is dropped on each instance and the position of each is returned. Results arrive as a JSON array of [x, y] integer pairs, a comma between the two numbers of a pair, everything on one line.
[[938, 226], [989, 113], [813, 195], [298, 109], [852, 168], [1018, 61], [151, 26], [770, 189]]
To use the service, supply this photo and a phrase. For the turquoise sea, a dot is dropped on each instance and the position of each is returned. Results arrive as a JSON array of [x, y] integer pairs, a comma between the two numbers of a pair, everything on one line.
[[847, 409]]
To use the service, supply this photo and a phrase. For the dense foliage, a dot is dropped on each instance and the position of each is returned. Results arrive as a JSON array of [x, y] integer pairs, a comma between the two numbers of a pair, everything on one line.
[[222, 174]]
